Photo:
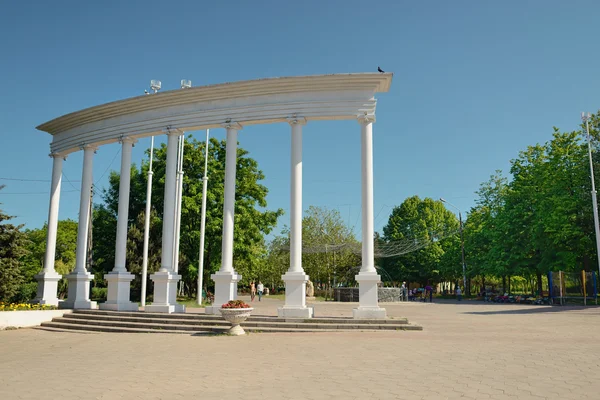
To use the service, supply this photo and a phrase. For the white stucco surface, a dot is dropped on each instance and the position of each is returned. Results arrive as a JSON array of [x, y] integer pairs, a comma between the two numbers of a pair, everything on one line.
[[23, 319]]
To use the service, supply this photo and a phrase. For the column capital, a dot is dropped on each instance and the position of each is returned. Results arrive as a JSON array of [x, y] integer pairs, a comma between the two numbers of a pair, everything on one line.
[[92, 147], [366, 118], [169, 130], [127, 139], [232, 125], [295, 120], [57, 155]]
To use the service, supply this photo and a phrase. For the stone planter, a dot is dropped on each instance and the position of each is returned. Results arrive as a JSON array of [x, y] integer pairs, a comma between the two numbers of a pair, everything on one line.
[[236, 316]]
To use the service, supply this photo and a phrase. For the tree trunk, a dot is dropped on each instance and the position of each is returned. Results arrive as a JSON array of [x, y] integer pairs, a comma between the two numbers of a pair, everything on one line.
[[539, 283], [503, 284], [509, 284]]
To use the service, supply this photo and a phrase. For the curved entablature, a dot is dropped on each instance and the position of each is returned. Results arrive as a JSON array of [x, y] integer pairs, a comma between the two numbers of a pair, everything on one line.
[[319, 97]]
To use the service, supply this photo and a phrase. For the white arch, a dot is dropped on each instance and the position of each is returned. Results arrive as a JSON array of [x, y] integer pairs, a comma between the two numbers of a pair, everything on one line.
[[231, 105], [262, 101]]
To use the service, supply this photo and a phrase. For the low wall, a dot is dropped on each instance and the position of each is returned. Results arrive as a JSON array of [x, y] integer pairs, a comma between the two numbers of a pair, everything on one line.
[[385, 295], [23, 319]]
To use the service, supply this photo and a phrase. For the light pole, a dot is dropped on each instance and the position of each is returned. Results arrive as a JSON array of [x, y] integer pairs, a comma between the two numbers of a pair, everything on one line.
[[586, 118], [462, 242], [155, 85], [203, 222]]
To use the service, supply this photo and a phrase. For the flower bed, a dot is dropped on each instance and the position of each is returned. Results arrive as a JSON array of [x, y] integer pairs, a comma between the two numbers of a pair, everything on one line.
[[24, 307]]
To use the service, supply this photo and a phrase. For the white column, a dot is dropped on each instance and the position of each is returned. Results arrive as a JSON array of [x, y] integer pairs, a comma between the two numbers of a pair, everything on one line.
[[119, 279], [147, 225], [367, 278], [79, 279], [48, 278], [178, 198], [226, 278], [295, 279], [165, 280]]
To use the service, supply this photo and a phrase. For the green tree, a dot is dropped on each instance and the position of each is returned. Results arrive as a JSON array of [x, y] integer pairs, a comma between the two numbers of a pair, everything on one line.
[[428, 222], [330, 250], [66, 245], [252, 221], [13, 247]]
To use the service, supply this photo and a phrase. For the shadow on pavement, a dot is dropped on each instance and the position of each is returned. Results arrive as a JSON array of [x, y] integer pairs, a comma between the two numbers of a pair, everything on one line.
[[536, 310]]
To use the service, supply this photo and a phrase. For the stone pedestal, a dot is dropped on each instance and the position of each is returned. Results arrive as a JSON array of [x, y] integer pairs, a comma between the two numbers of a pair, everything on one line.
[[117, 298], [165, 293], [367, 289], [47, 288], [79, 291], [225, 290], [295, 296]]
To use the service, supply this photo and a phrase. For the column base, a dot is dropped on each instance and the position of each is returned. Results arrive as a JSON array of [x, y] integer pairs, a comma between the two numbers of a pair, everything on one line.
[[291, 312], [165, 293], [117, 298], [369, 313], [47, 288], [368, 307], [225, 285], [295, 296], [79, 291], [165, 308]]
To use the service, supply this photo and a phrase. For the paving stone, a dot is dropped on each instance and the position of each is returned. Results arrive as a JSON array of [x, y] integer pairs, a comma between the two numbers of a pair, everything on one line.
[[466, 351]]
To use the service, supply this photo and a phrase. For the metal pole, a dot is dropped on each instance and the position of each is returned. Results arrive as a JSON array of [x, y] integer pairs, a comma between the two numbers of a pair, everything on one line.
[[462, 243], [147, 226], [586, 118], [203, 222], [462, 249]]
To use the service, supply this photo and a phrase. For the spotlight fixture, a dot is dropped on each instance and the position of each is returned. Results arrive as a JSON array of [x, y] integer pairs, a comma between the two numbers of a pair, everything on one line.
[[155, 85], [186, 83]]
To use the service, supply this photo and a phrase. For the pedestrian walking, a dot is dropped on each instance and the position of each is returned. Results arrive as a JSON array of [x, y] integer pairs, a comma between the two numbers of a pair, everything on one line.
[[261, 289], [252, 291], [458, 293]]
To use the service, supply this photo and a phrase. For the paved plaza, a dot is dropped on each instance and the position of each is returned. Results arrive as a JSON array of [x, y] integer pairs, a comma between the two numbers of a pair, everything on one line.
[[469, 350]]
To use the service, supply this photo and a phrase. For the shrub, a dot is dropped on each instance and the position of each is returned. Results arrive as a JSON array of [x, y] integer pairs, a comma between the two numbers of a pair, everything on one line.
[[26, 292], [99, 293]]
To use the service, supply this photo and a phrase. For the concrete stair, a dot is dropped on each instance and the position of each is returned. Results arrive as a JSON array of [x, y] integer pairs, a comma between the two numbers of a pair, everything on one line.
[[143, 322]]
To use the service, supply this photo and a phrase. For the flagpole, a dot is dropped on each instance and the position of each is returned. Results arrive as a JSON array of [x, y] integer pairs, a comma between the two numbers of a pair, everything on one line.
[[203, 222], [147, 226]]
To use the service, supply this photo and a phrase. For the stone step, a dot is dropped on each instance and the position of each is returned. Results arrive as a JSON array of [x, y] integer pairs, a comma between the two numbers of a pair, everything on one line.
[[142, 328], [273, 322], [253, 318]]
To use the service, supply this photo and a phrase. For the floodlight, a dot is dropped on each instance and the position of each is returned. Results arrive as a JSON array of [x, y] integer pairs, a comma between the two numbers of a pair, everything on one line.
[[186, 83], [155, 85]]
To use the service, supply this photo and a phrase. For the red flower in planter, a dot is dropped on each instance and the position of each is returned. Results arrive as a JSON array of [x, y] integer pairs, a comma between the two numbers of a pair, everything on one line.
[[235, 304]]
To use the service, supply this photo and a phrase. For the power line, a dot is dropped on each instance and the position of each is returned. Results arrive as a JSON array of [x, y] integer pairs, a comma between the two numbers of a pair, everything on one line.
[[109, 165], [24, 180], [64, 191]]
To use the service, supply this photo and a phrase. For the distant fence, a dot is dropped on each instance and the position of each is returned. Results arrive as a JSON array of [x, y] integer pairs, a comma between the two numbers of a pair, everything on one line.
[[573, 287]]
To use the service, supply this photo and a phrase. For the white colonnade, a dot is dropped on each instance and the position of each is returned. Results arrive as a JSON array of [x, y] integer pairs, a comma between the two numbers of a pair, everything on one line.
[[79, 279], [226, 278], [321, 97], [165, 279], [119, 279], [295, 279]]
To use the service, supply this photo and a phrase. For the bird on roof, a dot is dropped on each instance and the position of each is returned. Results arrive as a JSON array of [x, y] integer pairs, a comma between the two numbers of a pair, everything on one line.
[[380, 70], [145, 91]]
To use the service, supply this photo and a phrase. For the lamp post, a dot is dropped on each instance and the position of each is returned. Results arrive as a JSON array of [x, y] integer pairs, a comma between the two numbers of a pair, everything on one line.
[[586, 118], [155, 85], [203, 223], [462, 242]]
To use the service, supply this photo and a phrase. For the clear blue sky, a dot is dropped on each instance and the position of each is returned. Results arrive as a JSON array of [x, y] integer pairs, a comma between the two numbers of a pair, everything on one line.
[[474, 83]]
